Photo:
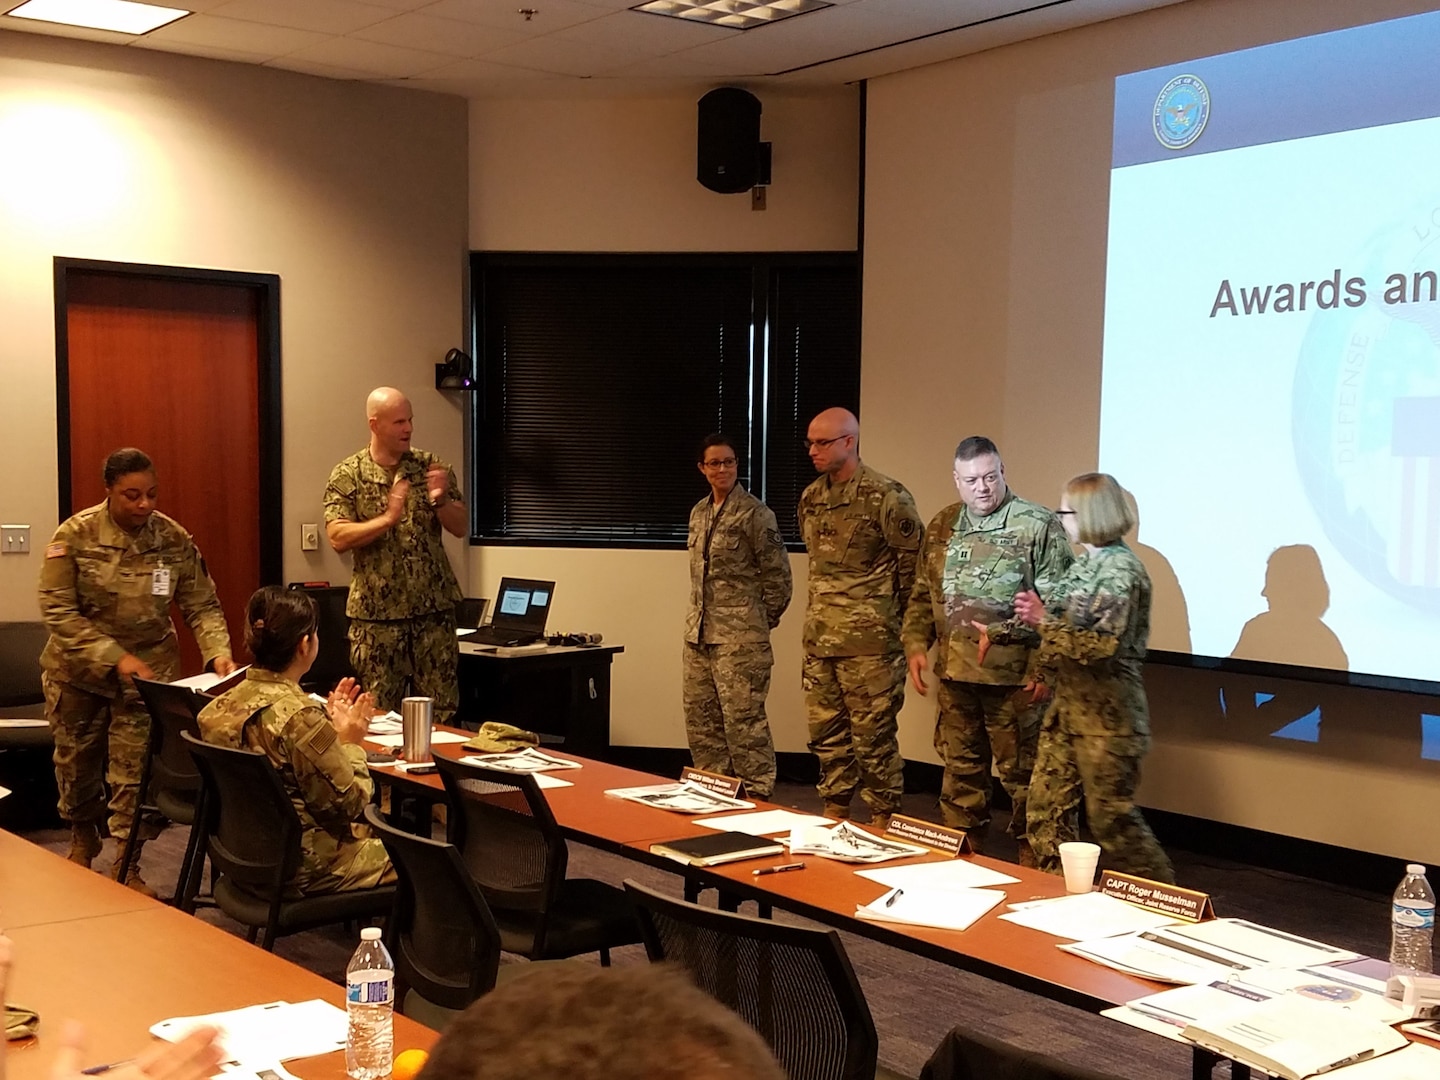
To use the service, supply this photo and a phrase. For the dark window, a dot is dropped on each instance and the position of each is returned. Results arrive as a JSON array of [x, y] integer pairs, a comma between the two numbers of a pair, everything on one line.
[[599, 375]]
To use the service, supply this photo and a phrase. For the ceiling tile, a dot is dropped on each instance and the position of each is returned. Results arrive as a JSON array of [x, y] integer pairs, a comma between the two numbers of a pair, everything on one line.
[[550, 14], [649, 34], [214, 32], [329, 71], [401, 5], [448, 36], [323, 16], [371, 57], [187, 48], [565, 57]]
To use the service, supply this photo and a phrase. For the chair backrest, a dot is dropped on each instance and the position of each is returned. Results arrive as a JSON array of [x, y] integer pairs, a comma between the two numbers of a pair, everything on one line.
[[333, 663], [506, 835], [443, 938], [20, 647], [970, 1055], [793, 984], [172, 709], [252, 829]]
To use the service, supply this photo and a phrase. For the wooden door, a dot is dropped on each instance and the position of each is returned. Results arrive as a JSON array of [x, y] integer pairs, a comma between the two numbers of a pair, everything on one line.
[[174, 367]]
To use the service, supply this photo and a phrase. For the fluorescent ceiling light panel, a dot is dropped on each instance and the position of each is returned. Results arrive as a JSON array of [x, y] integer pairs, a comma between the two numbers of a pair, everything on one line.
[[735, 14], [122, 16]]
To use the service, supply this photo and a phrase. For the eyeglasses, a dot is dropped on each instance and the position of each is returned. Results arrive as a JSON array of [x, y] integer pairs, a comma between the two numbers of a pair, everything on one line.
[[806, 444], [1063, 513], [720, 463]]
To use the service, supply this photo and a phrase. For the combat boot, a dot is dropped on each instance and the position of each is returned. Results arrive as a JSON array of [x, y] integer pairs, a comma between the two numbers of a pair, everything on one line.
[[1025, 855], [133, 880], [85, 842], [836, 810], [879, 821]]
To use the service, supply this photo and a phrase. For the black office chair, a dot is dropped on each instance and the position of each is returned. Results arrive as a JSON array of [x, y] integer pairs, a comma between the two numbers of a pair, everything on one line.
[[26, 747], [333, 663], [513, 849], [969, 1055], [792, 984], [168, 777], [441, 934], [252, 833]]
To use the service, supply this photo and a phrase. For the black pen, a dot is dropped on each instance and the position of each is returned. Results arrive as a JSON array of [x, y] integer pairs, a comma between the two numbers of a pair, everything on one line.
[[778, 869], [894, 896], [96, 1070]]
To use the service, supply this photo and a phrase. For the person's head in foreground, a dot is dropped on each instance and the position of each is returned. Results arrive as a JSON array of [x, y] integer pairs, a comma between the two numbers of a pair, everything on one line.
[[1094, 511], [580, 1022]]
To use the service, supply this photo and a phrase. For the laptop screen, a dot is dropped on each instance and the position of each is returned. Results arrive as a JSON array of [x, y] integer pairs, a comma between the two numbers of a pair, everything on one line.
[[523, 604]]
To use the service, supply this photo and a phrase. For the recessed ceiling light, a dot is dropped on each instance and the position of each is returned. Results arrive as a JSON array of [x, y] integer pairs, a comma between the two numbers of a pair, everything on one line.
[[123, 16], [735, 14]]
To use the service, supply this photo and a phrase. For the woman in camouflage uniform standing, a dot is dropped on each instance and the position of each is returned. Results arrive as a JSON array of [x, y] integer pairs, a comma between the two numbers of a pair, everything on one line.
[[1092, 650]]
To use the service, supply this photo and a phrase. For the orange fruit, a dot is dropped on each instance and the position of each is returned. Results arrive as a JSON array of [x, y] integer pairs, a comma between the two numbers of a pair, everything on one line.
[[408, 1064]]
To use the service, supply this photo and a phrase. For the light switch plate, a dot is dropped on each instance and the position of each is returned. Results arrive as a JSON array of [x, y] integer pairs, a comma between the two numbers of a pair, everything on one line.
[[309, 537], [14, 539]]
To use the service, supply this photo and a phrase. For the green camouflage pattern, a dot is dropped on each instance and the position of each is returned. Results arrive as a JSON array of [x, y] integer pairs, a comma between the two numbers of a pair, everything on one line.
[[982, 727], [1106, 768], [402, 658], [1097, 730], [98, 600], [970, 570], [740, 581], [328, 781], [404, 572], [97, 739], [851, 705], [863, 537], [724, 689]]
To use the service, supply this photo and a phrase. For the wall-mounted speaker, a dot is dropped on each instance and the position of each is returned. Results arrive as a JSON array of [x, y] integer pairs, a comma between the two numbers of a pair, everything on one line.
[[728, 154]]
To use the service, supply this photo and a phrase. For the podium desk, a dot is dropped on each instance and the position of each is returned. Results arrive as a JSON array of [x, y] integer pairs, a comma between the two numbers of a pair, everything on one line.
[[559, 690]]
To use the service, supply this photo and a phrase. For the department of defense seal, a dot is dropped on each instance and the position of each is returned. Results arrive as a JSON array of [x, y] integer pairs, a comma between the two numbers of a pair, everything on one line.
[[1181, 110]]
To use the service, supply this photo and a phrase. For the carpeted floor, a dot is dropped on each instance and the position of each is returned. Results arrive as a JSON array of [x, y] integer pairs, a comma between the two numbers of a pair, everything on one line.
[[916, 1001]]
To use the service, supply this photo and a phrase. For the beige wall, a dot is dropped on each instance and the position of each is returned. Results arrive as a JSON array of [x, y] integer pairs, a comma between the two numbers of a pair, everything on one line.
[[355, 195], [619, 175], [987, 193]]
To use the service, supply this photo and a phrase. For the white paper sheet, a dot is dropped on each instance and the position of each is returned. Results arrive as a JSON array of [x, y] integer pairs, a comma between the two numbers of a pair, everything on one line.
[[947, 910], [528, 760], [22, 722], [276, 1031], [1086, 916], [1262, 946], [436, 738], [682, 798], [206, 679], [951, 874], [763, 822], [1141, 954], [545, 780]]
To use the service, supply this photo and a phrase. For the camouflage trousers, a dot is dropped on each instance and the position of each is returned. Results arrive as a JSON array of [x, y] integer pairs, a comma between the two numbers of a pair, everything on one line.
[[851, 703], [329, 865], [979, 725], [1106, 769], [724, 693], [415, 657], [98, 740]]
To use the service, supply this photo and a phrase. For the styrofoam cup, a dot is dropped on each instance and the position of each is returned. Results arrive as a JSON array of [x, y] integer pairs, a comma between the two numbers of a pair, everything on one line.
[[1079, 860]]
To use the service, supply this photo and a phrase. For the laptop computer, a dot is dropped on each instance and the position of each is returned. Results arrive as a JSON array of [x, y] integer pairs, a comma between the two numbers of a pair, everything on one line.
[[521, 609]]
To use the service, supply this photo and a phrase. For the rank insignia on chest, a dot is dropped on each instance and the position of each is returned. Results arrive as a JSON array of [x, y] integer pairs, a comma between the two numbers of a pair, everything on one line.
[[962, 555]]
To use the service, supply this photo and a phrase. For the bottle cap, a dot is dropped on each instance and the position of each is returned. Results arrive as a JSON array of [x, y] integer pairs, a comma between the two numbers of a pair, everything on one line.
[[370, 933], [1410, 868]]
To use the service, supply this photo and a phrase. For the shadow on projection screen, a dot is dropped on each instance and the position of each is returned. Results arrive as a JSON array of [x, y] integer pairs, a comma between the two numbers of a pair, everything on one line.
[[1271, 378]]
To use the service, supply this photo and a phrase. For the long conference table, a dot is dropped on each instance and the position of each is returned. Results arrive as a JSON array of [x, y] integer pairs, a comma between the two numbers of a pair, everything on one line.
[[89, 949], [826, 891]]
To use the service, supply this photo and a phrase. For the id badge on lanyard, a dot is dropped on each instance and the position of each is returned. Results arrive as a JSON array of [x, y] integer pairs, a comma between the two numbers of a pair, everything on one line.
[[160, 581]]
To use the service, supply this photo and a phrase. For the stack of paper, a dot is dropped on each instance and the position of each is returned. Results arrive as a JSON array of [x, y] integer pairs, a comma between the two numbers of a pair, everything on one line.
[[764, 822], [683, 798], [528, 760], [1084, 916], [264, 1034], [436, 737], [849, 843], [944, 909], [949, 875]]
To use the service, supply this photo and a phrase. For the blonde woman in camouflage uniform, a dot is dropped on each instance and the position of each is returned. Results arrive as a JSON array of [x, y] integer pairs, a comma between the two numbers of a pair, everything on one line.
[[739, 587], [106, 584], [1093, 629], [318, 751]]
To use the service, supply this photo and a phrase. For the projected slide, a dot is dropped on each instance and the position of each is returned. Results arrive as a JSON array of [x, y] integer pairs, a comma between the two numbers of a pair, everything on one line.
[[1271, 383]]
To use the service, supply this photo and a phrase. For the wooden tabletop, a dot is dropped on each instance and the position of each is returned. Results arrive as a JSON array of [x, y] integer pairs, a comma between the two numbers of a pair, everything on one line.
[[829, 891], [120, 970]]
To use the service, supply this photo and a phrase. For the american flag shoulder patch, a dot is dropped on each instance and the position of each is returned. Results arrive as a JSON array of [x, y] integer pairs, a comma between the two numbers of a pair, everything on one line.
[[56, 551]]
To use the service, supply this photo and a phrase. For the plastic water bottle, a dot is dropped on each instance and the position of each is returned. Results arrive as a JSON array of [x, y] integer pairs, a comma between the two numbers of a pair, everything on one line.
[[1412, 924], [370, 1003]]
